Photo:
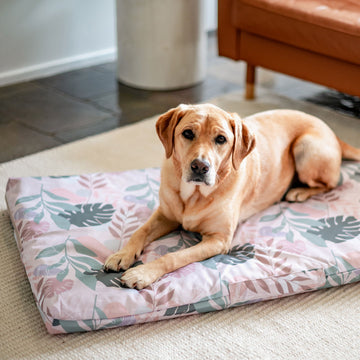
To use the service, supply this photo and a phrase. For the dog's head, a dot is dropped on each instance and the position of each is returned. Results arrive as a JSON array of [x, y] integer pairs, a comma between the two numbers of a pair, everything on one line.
[[204, 141]]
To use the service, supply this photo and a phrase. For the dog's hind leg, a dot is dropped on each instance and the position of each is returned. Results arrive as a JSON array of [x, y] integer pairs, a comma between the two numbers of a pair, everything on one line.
[[317, 162]]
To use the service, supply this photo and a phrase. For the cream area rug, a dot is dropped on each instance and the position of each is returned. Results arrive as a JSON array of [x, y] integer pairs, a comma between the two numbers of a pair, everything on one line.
[[320, 325]]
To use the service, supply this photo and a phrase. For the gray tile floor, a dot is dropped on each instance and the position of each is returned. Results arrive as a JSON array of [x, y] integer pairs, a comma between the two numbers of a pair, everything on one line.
[[44, 113]]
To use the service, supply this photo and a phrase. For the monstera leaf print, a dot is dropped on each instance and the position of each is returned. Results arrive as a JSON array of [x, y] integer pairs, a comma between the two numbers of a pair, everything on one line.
[[110, 278], [89, 214], [352, 170], [237, 255], [337, 229]]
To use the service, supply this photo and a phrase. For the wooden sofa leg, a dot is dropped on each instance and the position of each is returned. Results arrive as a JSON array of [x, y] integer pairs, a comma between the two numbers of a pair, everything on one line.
[[250, 82]]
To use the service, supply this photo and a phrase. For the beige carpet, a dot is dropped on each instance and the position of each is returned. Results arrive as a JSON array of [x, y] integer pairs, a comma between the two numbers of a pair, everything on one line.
[[320, 325]]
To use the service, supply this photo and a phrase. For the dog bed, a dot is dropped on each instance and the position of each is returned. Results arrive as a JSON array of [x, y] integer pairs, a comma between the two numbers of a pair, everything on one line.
[[65, 227]]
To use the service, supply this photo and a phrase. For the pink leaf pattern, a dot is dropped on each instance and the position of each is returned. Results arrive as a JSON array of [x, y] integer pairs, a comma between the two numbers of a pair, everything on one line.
[[124, 223]]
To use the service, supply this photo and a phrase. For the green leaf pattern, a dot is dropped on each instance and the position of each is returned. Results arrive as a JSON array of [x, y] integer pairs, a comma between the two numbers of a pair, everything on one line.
[[145, 192], [78, 264]]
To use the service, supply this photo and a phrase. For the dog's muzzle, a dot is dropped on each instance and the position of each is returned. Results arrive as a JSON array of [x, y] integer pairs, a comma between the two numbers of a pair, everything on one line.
[[199, 171]]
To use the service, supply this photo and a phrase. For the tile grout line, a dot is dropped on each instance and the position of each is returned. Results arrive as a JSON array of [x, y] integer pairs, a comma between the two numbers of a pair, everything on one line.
[[78, 99]]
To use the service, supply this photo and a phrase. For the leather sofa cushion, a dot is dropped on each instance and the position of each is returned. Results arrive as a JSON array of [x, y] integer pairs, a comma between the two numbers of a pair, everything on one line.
[[329, 27]]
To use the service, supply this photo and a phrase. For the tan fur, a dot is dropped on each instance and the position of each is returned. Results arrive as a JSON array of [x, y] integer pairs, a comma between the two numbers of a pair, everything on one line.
[[246, 174]]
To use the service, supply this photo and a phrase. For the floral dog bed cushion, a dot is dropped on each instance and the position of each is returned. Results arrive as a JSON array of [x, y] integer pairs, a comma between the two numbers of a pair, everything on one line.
[[65, 228]]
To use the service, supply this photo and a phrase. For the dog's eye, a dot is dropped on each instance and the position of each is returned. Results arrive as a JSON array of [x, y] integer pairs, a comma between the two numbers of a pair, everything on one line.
[[220, 139], [188, 134]]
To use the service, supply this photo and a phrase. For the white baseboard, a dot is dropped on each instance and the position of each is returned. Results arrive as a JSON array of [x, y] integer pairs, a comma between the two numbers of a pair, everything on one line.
[[57, 66]]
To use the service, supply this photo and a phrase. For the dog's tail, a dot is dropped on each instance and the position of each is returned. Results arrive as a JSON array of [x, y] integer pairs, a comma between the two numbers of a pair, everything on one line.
[[349, 152]]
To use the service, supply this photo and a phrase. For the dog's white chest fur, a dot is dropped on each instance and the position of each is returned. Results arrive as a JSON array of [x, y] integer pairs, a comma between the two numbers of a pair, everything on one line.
[[192, 194], [187, 189]]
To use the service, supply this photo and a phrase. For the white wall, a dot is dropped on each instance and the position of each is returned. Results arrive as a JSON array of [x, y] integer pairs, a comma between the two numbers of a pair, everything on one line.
[[44, 37], [210, 15]]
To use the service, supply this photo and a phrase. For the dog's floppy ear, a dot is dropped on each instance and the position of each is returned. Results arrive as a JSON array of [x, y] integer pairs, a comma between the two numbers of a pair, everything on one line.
[[165, 127], [244, 140]]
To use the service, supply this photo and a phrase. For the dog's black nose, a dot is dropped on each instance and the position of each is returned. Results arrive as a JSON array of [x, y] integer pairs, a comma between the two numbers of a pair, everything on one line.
[[200, 167]]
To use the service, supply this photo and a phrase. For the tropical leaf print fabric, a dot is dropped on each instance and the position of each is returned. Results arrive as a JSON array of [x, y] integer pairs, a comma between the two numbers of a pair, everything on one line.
[[65, 228]]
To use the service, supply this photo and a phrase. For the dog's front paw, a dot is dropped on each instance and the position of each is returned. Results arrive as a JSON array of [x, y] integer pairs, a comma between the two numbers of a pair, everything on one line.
[[119, 260], [140, 276]]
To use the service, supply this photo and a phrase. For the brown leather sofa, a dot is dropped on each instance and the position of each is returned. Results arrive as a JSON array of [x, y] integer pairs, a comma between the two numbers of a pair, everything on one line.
[[315, 40]]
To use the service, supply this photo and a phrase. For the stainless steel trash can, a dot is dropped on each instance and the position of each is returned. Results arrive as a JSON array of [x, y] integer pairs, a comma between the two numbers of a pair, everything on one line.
[[161, 43]]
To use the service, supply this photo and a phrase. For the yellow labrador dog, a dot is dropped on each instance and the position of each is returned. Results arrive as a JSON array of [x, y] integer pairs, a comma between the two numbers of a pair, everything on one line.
[[220, 170]]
